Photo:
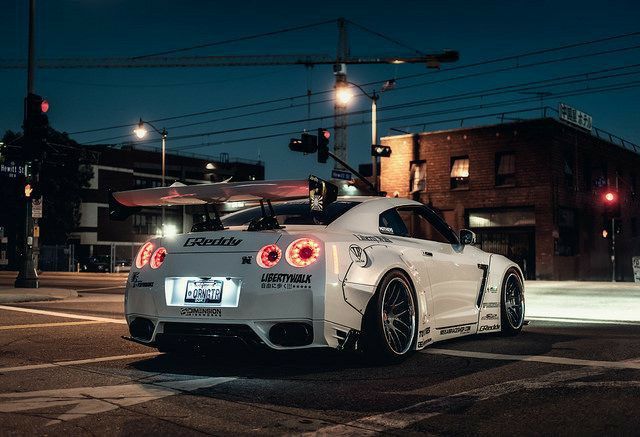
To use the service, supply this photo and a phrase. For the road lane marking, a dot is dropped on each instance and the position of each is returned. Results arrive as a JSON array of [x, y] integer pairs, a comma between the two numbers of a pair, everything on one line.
[[49, 325], [628, 364], [583, 321], [95, 400], [77, 362], [403, 417], [66, 315]]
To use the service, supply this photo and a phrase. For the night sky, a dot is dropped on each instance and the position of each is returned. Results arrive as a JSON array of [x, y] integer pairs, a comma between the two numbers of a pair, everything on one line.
[[83, 99]]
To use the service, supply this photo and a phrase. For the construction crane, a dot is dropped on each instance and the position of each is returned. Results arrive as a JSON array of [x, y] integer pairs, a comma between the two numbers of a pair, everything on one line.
[[339, 62]]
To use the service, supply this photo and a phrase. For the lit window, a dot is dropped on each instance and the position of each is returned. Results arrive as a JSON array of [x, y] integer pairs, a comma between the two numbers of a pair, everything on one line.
[[418, 176], [460, 172], [505, 169]]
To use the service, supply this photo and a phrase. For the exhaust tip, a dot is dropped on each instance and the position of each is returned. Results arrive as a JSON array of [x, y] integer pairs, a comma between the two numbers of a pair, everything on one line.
[[142, 329], [291, 334]]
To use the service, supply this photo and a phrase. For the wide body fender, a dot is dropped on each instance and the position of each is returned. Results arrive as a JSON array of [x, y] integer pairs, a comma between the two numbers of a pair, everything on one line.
[[490, 314], [365, 264]]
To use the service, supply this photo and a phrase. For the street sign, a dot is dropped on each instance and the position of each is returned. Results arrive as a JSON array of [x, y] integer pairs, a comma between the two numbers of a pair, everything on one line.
[[36, 208], [339, 174], [574, 117]]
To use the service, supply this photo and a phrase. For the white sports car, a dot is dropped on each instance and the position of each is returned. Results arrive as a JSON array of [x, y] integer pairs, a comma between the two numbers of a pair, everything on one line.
[[385, 275]]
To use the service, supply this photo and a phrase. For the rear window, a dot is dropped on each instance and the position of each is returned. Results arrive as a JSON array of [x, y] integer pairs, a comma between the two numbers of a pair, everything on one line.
[[292, 213]]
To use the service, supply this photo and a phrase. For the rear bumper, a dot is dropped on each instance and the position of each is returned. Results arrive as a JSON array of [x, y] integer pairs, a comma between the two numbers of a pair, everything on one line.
[[272, 334]]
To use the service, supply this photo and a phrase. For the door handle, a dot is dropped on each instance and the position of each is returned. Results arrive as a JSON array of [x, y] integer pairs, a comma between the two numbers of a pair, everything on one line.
[[425, 253]]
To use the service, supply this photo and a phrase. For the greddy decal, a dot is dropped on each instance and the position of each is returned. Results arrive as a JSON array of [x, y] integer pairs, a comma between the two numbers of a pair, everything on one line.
[[489, 328], [137, 283], [456, 330], [201, 312], [203, 241], [376, 238], [424, 332], [285, 280]]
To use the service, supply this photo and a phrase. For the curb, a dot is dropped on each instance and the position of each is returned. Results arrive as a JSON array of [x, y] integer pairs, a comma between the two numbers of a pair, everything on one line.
[[13, 295]]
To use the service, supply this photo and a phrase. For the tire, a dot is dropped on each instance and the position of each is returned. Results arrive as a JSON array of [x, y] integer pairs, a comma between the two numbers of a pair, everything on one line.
[[390, 323], [512, 303]]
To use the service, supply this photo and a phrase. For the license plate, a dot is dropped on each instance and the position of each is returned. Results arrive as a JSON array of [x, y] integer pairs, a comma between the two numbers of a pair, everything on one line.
[[204, 291]]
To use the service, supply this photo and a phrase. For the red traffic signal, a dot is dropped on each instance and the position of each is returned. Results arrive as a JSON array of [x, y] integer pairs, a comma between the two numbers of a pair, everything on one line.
[[610, 197], [44, 106]]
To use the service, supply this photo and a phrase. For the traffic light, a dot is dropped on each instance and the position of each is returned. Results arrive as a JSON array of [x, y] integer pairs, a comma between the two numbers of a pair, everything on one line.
[[323, 145], [35, 115], [381, 151], [306, 144], [36, 124], [31, 183], [611, 200]]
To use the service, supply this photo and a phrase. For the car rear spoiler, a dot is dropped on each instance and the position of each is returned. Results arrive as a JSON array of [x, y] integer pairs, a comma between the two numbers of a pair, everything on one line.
[[123, 204]]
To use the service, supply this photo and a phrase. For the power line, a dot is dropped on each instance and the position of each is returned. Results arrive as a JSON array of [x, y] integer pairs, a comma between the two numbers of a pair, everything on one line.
[[496, 60], [613, 87], [383, 36], [232, 40], [588, 76]]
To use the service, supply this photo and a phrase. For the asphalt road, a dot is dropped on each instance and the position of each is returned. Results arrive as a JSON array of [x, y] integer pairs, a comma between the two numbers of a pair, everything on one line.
[[64, 370]]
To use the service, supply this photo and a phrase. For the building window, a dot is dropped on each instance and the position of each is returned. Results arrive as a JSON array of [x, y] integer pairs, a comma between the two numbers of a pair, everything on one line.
[[505, 169], [569, 169], [417, 176], [146, 224], [460, 172], [567, 242]]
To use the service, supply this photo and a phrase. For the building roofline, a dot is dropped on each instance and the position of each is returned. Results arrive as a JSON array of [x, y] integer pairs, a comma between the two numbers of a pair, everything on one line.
[[595, 133]]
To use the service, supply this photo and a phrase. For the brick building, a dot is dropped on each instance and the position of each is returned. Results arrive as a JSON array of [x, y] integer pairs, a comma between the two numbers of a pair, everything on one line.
[[133, 168], [531, 190]]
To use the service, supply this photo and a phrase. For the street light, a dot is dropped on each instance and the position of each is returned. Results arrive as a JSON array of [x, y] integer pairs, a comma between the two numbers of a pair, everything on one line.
[[344, 95], [140, 131]]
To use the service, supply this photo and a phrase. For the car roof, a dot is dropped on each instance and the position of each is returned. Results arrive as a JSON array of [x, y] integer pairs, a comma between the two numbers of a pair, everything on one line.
[[355, 220]]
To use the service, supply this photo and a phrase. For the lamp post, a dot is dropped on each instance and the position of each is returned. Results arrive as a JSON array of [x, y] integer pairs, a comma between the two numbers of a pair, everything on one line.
[[140, 131], [344, 96]]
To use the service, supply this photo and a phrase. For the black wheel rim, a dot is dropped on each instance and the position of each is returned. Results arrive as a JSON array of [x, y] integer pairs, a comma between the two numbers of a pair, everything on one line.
[[514, 301], [398, 316]]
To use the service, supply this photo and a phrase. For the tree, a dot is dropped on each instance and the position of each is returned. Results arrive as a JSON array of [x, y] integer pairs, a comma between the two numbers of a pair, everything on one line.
[[65, 171]]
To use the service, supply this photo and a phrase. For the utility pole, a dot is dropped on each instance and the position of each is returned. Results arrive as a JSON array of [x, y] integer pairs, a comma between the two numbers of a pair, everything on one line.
[[613, 236], [340, 109], [27, 275]]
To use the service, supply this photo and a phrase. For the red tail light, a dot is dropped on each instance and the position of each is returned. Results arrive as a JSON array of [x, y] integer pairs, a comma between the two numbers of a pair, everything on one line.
[[303, 252], [269, 256], [144, 255], [158, 257]]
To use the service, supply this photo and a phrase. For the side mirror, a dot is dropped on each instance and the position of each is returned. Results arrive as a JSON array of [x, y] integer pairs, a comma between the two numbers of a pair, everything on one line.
[[467, 237]]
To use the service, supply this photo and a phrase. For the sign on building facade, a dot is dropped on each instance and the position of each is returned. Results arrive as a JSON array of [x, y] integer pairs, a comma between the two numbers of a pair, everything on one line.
[[574, 117]]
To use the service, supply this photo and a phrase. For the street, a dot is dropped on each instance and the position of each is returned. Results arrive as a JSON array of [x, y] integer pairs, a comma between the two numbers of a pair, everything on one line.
[[65, 370]]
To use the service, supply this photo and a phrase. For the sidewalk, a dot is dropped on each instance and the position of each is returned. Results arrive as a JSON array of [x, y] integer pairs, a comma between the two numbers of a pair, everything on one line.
[[583, 301], [17, 295]]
